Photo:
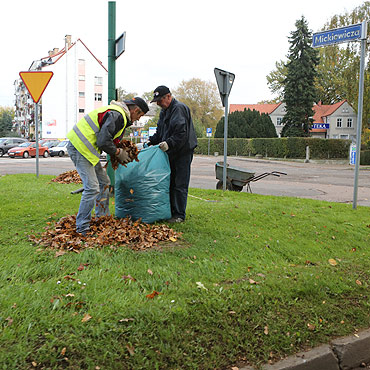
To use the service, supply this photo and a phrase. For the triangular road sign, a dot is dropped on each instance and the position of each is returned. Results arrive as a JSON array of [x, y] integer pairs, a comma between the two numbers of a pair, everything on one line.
[[36, 82], [225, 82]]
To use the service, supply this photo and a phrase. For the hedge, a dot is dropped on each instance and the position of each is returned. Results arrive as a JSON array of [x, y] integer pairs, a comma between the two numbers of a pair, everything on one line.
[[365, 157], [294, 147]]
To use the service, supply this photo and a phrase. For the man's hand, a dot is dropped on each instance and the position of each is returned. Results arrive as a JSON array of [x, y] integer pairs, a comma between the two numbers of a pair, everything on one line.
[[122, 156], [163, 146]]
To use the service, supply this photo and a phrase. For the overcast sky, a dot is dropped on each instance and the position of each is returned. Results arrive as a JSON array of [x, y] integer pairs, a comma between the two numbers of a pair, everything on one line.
[[167, 41]]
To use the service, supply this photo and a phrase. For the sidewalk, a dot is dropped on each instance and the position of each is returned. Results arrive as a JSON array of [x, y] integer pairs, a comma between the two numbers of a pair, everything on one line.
[[348, 353]]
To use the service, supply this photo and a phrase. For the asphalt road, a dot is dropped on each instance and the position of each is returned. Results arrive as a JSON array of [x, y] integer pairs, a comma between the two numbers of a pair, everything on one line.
[[324, 181]]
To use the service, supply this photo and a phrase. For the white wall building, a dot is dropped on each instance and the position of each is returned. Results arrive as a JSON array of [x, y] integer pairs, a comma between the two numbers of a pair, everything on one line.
[[79, 85]]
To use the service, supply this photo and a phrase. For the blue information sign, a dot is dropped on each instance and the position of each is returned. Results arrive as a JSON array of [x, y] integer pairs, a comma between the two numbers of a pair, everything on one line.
[[336, 36], [320, 125]]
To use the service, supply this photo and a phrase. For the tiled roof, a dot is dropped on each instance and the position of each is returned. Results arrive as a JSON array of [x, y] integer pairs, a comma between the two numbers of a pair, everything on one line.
[[262, 108], [322, 111]]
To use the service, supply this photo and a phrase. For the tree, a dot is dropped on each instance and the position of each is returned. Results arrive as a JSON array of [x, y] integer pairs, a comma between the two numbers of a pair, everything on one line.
[[247, 124], [338, 69], [122, 94], [276, 78], [299, 87], [6, 118], [203, 100]]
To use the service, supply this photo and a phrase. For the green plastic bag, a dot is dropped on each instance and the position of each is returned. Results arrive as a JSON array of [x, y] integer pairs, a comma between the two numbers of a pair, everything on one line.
[[142, 189]]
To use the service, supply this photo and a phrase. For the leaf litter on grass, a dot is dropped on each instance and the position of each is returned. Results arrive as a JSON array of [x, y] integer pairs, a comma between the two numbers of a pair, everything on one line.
[[104, 231]]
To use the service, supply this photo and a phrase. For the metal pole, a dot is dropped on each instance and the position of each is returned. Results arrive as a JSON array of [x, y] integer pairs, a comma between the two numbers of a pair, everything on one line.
[[209, 143], [111, 71], [226, 84], [111, 51], [359, 111], [37, 138], [67, 97]]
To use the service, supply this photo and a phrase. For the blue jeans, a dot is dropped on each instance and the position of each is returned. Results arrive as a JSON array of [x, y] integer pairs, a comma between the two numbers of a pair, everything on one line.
[[96, 189]]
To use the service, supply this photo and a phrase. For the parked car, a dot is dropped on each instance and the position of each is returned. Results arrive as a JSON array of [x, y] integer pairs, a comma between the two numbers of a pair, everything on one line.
[[49, 143], [7, 143], [59, 150], [27, 150]]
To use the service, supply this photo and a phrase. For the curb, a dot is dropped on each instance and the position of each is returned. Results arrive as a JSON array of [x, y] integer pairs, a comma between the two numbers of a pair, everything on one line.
[[346, 353]]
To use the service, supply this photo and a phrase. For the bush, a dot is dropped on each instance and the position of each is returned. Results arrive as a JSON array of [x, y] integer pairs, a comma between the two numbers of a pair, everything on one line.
[[293, 147], [365, 157]]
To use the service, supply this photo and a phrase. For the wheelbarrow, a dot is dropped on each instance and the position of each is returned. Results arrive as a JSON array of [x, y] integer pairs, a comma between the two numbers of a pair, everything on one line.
[[237, 178]]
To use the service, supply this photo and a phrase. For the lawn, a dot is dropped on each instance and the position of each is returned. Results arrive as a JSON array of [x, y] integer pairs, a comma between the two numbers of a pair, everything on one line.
[[252, 279]]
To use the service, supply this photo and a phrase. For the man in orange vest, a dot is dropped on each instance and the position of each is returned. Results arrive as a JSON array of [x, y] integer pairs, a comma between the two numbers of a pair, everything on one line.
[[99, 131]]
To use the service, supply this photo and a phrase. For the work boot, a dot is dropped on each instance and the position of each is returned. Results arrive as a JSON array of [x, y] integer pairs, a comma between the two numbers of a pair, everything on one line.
[[175, 220]]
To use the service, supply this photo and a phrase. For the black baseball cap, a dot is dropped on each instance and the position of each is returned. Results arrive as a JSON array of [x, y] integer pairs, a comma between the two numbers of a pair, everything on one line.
[[159, 92], [138, 102]]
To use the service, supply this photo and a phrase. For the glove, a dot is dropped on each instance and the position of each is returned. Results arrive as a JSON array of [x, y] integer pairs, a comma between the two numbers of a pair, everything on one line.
[[123, 156], [163, 146]]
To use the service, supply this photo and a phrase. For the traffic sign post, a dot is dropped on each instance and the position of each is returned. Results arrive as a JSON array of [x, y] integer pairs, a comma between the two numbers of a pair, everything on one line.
[[209, 135], [36, 82], [225, 82], [345, 34]]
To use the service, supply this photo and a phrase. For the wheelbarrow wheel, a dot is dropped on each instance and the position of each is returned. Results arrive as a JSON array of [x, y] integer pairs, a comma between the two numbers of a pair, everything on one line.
[[229, 185], [236, 187]]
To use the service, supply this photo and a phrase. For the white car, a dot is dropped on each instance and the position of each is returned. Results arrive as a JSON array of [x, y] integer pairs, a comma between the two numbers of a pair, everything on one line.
[[59, 150]]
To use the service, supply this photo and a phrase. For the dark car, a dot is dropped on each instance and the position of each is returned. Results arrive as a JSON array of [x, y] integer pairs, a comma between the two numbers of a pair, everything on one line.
[[7, 143]]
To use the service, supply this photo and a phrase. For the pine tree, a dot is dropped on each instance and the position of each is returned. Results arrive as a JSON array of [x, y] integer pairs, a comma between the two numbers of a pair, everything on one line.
[[299, 85]]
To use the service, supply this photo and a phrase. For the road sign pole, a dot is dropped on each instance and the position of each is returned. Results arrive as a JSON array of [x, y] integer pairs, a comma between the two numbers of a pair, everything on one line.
[[359, 110], [37, 137], [226, 81]]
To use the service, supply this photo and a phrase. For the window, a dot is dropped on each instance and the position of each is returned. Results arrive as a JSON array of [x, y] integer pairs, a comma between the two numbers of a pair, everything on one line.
[[279, 121], [349, 122], [81, 110], [98, 80], [344, 137], [98, 97], [81, 77], [339, 122], [81, 94]]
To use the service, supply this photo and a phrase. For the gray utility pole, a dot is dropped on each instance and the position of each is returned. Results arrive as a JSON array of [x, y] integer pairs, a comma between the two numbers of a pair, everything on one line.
[[359, 110]]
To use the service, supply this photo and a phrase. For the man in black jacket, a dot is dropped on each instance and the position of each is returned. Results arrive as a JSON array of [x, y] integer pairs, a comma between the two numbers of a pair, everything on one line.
[[176, 136]]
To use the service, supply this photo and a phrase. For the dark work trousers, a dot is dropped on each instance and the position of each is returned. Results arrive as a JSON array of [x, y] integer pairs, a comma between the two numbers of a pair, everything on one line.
[[180, 178]]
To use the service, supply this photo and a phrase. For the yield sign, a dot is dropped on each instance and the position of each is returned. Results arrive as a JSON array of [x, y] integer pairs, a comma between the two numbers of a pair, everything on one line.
[[36, 82]]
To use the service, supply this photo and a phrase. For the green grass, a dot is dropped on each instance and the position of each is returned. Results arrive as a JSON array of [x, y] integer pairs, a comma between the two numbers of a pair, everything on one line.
[[210, 314]]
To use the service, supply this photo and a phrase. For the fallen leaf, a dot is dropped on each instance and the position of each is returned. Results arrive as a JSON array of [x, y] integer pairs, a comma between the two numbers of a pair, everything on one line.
[[358, 282], [152, 295], [131, 191], [311, 327], [59, 253], [251, 281], [70, 295], [200, 285], [173, 239], [333, 262], [126, 320], [63, 351], [150, 272], [34, 364], [81, 267], [10, 321], [266, 330], [234, 368], [87, 317], [130, 349]]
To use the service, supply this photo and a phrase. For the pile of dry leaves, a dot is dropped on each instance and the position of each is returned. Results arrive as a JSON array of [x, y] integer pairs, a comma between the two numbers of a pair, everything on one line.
[[104, 231], [131, 149], [68, 177]]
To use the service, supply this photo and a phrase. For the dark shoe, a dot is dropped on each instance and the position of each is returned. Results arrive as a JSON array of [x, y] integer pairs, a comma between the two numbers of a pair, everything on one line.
[[174, 220]]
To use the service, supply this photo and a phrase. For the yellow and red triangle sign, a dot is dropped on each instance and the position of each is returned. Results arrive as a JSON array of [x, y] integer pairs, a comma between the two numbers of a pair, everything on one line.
[[36, 82]]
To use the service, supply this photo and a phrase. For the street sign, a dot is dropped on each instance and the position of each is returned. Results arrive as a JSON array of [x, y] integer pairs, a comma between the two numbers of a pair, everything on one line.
[[209, 132], [120, 44], [36, 82], [352, 154], [337, 35], [225, 82], [136, 133]]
